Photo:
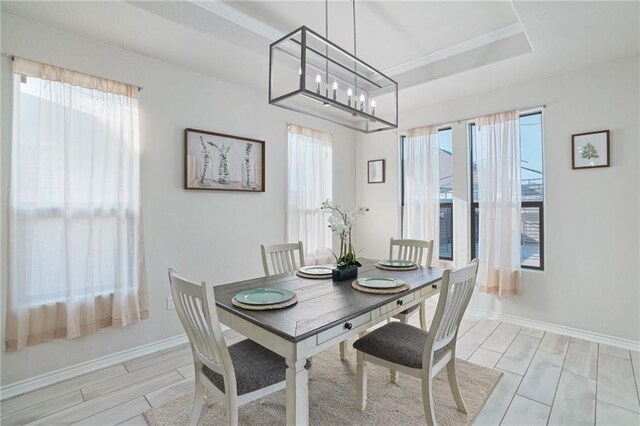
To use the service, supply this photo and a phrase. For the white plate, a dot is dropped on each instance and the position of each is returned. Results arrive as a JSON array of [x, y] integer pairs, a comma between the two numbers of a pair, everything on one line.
[[379, 282], [315, 270], [394, 263]]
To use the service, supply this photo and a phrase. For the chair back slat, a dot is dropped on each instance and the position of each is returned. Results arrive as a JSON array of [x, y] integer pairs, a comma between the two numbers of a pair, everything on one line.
[[455, 294], [195, 305], [282, 257], [275, 262], [419, 252]]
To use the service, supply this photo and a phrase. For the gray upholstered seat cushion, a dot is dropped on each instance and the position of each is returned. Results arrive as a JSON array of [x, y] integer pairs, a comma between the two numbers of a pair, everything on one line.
[[256, 367], [398, 343]]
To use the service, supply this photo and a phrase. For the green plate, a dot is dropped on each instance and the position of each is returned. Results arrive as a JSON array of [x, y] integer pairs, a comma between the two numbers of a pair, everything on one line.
[[396, 263], [315, 270], [379, 282], [264, 296]]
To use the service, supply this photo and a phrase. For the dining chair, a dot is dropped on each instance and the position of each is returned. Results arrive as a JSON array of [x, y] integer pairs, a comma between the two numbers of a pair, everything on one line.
[[237, 374], [282, 257], [421, 354], [419, 252]]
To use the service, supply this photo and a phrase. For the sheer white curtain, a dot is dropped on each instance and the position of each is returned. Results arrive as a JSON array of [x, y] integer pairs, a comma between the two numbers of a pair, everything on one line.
[[76, 256], [422, 186], [310, 180], [499, 200]]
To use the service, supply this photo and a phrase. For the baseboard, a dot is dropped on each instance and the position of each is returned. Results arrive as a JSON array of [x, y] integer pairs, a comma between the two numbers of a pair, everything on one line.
[[67, 373], [558, 329]]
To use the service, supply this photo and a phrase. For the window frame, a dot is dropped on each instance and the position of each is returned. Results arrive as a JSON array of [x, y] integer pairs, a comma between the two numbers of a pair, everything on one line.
[[474, 205]]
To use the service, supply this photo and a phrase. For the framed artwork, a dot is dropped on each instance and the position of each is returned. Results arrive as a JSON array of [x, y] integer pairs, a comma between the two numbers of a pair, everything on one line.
[[375, 171], [590, 150], [215, 161]]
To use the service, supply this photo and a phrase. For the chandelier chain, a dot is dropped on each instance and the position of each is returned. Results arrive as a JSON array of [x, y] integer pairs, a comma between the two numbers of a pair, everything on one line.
[[355, 52]]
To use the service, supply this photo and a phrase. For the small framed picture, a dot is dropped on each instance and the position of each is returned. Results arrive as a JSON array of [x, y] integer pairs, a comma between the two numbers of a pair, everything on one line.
[[219, 162], [375, 170], [590, 150]]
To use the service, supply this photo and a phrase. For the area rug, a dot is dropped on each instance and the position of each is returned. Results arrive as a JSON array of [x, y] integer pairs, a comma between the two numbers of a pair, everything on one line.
[[332, 398]]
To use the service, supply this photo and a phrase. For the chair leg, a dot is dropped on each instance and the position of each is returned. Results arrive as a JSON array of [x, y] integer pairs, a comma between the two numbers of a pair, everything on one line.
[[344, 349], [232, 410], [427, 400], [423, 316], [198, 402], [393, 374], [453, 383], [361, 382]]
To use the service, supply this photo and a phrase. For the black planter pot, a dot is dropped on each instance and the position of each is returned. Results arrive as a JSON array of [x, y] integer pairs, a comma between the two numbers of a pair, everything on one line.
[[344, 273]]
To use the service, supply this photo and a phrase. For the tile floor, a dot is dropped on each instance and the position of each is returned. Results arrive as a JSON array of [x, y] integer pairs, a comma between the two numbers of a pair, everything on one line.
[[548, 379]]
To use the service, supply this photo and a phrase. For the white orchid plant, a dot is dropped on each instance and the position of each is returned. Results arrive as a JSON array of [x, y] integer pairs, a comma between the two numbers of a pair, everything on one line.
[[341, 223]]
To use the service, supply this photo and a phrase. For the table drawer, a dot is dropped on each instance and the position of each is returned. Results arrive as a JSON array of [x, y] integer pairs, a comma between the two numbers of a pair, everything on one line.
[[343, 328], [397, 303], [430, 289]]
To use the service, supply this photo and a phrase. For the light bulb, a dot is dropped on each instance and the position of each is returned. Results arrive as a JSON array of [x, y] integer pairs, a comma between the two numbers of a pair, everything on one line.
[[373, 104], [335, 85], [318, 79], [362, 97], [299, 71], [349, 92]]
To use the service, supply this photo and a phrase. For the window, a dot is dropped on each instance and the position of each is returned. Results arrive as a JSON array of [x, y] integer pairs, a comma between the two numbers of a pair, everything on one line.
[[310, 181], [445, 144], [77, 260], [531, 158]]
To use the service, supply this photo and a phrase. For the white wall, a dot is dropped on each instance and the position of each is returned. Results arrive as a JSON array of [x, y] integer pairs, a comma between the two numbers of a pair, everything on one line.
[[591, 278], [211, 236]]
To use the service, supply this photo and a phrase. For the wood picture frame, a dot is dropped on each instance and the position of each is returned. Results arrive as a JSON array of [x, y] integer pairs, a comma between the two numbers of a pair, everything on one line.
[[376, 170], [590, 150], [219, 162]]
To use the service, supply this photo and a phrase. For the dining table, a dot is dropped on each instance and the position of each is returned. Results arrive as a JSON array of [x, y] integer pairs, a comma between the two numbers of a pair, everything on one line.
[[326, 314]]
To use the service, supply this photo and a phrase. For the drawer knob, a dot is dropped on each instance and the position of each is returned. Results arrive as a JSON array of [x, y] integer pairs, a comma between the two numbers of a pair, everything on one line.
[[348, 326], [400, 302], [434, 285]]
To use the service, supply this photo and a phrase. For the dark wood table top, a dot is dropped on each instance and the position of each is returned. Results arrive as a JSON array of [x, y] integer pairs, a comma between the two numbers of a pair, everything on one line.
[[322, 304]]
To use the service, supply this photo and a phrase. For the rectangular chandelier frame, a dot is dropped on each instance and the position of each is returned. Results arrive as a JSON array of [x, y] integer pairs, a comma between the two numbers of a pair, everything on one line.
[[357, 93]]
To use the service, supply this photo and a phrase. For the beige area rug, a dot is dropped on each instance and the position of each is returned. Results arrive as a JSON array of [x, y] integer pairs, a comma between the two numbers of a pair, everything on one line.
[[332, 398]]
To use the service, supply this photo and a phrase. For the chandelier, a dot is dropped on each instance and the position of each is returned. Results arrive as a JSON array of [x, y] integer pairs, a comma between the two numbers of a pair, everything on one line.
[[310, 74]]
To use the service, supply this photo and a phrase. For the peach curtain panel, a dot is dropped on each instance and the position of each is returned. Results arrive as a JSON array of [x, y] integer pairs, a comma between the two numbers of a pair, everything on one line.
[[76, 258], [499, 201], [422, 185], [309, 184]]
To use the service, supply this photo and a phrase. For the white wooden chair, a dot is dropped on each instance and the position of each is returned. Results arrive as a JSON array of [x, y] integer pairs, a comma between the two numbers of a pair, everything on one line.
[[413, 351], [282, 257], [419, 252], [237, 374]]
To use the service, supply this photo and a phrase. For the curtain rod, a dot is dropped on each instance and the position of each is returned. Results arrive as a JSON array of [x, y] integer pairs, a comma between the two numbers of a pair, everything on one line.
[[12, 57], [543, 106]]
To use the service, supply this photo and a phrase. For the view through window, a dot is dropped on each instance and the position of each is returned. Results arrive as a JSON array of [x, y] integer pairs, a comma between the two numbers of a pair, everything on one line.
[[532, 234]]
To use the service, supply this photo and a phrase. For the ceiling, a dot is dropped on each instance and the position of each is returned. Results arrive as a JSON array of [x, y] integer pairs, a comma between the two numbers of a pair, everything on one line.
[[435, 50]]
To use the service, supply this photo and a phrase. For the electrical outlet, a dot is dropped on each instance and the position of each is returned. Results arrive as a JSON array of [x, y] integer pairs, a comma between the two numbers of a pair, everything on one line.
[[170, 304]]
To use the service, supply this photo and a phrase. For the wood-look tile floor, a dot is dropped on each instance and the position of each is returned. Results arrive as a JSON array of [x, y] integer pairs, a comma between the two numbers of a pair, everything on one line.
[[548, 379]]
